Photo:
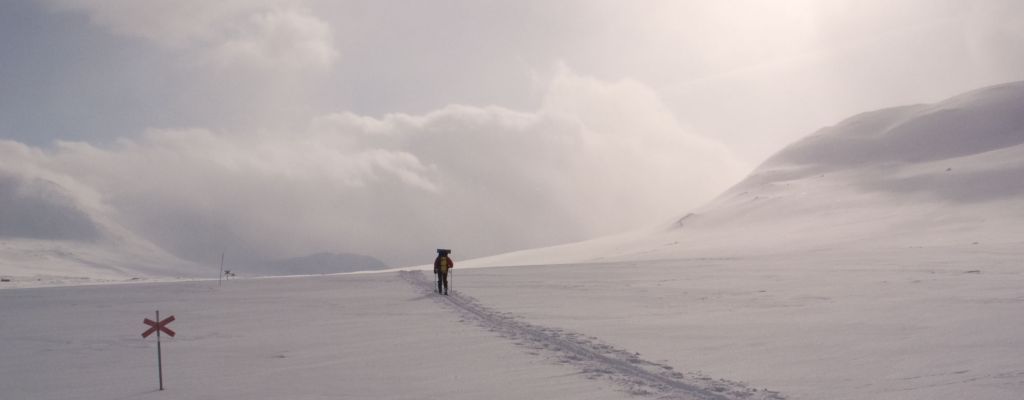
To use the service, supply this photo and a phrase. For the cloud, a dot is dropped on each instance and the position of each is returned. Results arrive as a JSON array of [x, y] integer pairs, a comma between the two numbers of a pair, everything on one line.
[[40, 209], [597, 158], [291, 39], [273, 34], [995, 34]]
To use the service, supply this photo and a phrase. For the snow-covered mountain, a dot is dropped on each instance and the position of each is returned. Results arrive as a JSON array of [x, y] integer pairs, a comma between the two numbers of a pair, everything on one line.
[[50, 228], [55, 231], [943, 174]]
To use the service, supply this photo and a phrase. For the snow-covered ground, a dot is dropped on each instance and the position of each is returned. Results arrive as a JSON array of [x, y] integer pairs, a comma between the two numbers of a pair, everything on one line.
[[913, 324], [939, 323], [379, 336], [352, 337]]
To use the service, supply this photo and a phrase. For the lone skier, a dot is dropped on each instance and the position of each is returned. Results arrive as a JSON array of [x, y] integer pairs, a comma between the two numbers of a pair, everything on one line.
[[441, 266]]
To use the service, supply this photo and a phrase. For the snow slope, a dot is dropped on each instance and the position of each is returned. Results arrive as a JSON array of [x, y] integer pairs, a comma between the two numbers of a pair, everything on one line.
[[944, 174], [53, 231]]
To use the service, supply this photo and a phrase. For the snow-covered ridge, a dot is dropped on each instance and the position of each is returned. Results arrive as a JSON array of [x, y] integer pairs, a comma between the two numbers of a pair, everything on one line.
[[943, 174], [975, 122], [53, 231]]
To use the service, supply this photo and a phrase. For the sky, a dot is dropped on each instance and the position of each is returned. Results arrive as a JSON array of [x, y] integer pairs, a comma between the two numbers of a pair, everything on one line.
[[278, 128]]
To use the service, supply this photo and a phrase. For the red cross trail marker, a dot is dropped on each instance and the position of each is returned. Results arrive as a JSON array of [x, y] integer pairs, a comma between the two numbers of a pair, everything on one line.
[[158, 327]]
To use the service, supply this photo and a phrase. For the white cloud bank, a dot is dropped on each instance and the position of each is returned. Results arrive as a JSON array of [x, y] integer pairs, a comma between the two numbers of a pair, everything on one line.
[[271, 34], [596, 158]]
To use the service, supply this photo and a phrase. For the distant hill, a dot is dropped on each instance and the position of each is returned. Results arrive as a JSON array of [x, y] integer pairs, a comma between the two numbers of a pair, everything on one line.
[[943, 174], [319, 263], [50, 228]]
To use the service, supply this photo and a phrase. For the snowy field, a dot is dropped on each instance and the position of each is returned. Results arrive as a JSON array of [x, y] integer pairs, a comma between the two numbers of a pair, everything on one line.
[[913, 324], [348, 337], [940, 323]]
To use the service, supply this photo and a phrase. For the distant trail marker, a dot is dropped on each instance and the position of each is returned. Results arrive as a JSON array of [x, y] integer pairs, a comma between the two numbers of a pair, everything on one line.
[[158, 326]]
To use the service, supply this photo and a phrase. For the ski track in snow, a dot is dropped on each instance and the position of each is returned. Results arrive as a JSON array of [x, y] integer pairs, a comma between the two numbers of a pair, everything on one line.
[[594, 359]]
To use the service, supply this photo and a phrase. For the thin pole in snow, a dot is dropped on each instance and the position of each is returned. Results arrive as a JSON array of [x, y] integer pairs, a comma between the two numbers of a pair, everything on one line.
[[221, 276], [159, 360]]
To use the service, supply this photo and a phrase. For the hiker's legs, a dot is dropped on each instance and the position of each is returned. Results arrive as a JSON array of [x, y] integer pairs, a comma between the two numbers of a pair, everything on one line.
[[439, 278], [444, 280]]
